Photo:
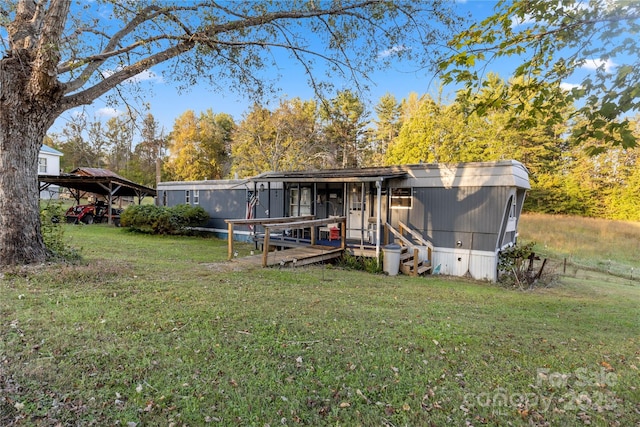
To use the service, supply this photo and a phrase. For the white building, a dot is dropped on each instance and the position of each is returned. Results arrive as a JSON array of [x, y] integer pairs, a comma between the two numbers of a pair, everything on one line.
[[49, 164]]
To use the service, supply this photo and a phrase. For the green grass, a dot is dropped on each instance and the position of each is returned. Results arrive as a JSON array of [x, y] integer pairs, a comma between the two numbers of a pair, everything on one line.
[[163, 331], [588, 243]]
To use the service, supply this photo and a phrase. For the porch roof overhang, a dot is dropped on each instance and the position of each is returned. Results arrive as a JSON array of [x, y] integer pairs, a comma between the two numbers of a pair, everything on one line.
[[333, 175]]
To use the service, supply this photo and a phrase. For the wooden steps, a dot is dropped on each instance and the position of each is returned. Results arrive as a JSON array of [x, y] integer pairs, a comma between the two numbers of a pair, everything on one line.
[[410, 263]]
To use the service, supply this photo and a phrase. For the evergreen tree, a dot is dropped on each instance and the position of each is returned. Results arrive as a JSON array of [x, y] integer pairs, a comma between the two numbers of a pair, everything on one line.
[[344, 129], [386, 130]]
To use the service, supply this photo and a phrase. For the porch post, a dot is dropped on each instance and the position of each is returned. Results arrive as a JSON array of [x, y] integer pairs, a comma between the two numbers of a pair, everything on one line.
[[230, 240], [109, 217], [378, 218], [265, 249], [362, 199]]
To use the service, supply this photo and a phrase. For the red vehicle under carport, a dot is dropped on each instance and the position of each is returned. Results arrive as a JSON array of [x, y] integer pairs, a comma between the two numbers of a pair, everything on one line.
[[100, 182]]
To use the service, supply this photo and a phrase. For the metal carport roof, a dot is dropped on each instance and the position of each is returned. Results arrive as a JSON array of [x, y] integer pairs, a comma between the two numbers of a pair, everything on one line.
[[97, 181]]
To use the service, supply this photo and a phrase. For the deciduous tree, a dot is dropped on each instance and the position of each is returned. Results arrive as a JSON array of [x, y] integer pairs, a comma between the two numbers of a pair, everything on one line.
[[118, 135], [81, 143], [60, 54], [431, 132], [147, 156], [198, 146], [282, 140], [551, 42]]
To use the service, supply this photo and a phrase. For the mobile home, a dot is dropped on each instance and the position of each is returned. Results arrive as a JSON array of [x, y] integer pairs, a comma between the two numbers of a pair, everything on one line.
[[468, 211]]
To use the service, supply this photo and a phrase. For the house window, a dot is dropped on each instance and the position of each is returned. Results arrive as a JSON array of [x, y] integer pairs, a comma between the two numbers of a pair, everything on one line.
[[42, 165], [401, 198], [300, 201], [512, 220], [187, 197], [196, 197], [293, 201]]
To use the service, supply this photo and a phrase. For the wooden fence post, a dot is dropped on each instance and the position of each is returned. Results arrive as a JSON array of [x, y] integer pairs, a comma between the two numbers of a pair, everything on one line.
[[230, 241], [265, 249]]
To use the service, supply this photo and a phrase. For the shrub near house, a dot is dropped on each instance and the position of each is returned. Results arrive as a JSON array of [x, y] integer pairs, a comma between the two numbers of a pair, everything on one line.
[[162, 220]]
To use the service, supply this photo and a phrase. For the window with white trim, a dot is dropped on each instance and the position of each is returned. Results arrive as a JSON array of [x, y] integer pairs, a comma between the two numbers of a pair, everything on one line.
[[401, 198], [512, 220], [196, 197], [187, 197], [42, 165]]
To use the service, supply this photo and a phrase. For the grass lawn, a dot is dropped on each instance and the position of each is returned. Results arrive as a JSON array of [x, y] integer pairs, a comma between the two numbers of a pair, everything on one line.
[[154, 330]]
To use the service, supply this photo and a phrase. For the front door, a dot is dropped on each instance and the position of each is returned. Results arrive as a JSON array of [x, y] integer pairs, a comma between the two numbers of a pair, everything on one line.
[[357, 209]]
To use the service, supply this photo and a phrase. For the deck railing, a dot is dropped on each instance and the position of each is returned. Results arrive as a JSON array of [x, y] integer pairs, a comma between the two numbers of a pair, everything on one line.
[[400, 235], [312, 225], [270, 225]]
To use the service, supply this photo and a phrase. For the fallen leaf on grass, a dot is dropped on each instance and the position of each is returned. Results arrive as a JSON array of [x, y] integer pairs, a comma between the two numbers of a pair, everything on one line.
[[345, 404], [607, 366]]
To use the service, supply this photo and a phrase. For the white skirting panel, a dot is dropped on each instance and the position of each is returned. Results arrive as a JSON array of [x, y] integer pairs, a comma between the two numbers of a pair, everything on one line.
[[481, 265]]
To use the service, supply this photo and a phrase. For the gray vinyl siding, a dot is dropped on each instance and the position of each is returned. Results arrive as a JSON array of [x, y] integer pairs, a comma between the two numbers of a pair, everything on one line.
[[223, 204], [448, 215], [175, 197], [271, 201]]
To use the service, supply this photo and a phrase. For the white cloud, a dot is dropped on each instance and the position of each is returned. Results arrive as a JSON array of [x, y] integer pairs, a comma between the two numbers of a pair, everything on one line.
[[391, 51], [516, 21], [593, 64], [108, 112], [568, 86], [561, 10], [78, 114], [146, 75]]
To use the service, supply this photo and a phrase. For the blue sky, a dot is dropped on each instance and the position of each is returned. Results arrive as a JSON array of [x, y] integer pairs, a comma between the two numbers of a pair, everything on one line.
[[167, 103]]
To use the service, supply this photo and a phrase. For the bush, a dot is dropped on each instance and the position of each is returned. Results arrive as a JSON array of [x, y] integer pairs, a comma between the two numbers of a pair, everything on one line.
[[368, 264], [51, 217], [516, 269], [154, 219]]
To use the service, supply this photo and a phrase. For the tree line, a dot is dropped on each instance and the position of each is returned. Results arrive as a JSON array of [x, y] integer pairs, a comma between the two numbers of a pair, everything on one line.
[[568, 175], [60, 55]]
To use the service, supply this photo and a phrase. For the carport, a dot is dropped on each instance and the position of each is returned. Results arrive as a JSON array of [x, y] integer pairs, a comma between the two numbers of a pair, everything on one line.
[[98, 181]]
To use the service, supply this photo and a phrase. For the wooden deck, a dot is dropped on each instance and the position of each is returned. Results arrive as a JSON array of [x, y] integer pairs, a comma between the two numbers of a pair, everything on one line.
[[293, 241], [306, 251], [294, 257]]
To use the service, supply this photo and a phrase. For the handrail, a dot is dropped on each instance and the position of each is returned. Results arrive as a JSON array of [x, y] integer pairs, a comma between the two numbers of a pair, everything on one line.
[[306, 223], [406, 242], [303, 224], [258, 221], [276, 220], [414, 234], [397, 234]]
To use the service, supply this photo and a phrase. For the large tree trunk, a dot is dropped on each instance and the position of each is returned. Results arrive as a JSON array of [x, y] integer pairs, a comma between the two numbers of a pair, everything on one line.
[[24, 120]]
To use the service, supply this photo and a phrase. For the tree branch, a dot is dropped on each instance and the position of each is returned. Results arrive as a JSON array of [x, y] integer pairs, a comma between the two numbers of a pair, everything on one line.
[[99, 89], [47, 57]]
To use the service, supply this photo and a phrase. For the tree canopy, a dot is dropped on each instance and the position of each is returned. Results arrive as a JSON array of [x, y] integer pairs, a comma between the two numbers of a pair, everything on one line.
[[553, 42], [60, 54]]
